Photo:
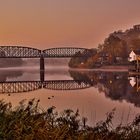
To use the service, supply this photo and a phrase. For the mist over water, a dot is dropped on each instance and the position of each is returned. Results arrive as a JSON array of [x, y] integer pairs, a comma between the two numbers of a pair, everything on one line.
[[107, 90]]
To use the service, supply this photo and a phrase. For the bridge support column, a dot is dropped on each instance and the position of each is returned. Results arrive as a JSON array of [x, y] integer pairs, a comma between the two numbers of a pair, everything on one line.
[[42, 68], [138, 66]]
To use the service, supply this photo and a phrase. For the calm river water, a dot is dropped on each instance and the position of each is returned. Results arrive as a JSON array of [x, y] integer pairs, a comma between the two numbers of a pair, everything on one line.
[[107, 90]]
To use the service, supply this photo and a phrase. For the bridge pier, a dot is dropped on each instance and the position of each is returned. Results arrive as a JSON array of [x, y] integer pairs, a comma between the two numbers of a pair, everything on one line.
[[42, 68]]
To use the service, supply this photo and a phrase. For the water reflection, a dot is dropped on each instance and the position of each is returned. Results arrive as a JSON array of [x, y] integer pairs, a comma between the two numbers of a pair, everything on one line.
[[115, 85], [26, 86], [9, 74], [66, 84], [57, 73], [19, 74], [19, 86]]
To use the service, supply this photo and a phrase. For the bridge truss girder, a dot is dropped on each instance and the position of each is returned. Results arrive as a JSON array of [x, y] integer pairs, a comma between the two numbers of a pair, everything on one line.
[[64, 52], [19, 52], [27, 52]]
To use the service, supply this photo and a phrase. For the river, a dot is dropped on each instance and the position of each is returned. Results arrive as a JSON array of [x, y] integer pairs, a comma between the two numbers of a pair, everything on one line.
[[107, 90]]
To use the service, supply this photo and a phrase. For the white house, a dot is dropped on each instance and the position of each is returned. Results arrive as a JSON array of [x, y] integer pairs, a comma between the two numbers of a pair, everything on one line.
[[137, 27], [132, 56], [132, 81]]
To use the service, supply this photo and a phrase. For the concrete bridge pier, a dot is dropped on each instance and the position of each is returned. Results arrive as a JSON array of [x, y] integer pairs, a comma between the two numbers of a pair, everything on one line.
[[42, 68]]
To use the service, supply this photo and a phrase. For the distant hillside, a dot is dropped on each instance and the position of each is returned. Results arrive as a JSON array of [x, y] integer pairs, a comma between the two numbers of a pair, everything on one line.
[[114, 51], [48, 61], [9, 62], [57, 61]]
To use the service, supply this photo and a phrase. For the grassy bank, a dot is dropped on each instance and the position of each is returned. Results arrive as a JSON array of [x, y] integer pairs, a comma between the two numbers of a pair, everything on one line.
[[28, 122]]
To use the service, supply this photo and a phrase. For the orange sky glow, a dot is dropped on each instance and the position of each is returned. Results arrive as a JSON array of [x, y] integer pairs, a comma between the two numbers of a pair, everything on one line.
[[64, 23]]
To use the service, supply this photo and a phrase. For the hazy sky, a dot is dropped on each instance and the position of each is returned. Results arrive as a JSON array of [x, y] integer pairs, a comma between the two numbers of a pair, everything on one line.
[[56, 23]]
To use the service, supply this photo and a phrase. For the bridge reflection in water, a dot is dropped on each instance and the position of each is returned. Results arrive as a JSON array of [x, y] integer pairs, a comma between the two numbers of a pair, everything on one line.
[[66, 84], [26, 86], [21, 86], [112, 83], [117, 86]]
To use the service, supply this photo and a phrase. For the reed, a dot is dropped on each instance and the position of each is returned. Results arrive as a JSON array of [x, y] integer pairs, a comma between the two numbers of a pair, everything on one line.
[[28, 122]]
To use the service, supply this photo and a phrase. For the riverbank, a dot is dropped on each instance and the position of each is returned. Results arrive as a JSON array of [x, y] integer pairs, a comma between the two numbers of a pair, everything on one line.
[[105, 68]]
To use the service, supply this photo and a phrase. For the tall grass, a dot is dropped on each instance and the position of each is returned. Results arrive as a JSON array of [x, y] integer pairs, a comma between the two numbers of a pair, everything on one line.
[[28, 122]]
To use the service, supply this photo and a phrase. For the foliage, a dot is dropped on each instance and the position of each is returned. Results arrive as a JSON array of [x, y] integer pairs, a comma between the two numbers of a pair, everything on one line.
[[114, 50], [28, 122], [82, 61]]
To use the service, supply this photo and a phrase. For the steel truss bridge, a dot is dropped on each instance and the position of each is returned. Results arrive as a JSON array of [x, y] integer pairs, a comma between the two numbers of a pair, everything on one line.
[[27, 52], [26, 86]]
